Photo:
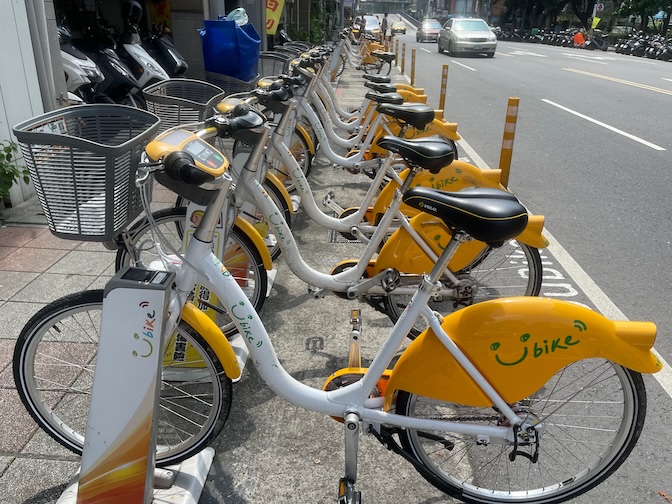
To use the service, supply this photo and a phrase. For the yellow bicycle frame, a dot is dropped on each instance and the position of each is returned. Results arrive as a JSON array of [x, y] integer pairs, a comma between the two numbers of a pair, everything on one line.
[[436, 127], [403, 253], [517, 344], [454, 177]]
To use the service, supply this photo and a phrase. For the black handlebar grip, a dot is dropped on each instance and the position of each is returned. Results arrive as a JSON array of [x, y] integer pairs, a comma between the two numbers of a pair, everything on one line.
[[179, 165]]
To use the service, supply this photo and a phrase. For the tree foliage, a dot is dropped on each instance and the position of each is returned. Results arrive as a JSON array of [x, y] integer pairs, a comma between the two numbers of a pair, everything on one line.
[[527, 14]]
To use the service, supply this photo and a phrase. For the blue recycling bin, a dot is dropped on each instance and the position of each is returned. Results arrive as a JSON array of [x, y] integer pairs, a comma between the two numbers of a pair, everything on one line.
[[230, 49]]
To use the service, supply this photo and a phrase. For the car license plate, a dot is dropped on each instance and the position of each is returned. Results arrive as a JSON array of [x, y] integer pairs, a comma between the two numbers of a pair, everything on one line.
[[477, 46]]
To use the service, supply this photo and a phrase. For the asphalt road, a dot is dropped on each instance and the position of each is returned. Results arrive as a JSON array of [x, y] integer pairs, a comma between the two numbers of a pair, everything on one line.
[[591, 153]]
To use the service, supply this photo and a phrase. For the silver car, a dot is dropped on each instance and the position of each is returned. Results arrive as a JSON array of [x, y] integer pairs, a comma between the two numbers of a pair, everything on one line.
[[462, 35]]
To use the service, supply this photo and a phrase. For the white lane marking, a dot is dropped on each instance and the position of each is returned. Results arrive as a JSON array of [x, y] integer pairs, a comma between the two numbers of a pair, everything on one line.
[[590, 60], [426, 50], [583, 281], [666, 79], [611, 128], [602, 301], [463, 65], [528, 53], [504, 54], [588, 57]]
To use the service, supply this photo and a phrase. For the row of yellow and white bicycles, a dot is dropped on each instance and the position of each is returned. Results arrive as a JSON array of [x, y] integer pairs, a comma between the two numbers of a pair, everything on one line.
[[498, 395]]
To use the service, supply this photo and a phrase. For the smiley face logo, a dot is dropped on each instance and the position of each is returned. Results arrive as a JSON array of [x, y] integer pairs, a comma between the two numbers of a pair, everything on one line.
[[149, 344], [495, 346]]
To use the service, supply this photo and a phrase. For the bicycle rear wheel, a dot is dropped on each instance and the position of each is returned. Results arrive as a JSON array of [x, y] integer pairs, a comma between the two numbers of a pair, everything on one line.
[[514, 269], [54, 362], [592, 413], [240, 256]]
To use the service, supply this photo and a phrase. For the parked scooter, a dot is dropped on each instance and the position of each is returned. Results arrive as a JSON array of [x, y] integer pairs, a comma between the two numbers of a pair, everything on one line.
[[160, 46], [118, 85], [597, 42], [82, 75], [144, 68]]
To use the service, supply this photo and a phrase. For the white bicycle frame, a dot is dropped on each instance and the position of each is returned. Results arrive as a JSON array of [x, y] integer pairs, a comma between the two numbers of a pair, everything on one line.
[[346, 224], [350, 280], [351, 399]]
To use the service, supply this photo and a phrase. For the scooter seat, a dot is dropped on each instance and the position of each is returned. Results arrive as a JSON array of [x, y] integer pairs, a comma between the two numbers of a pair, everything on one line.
[[431, 154], [490, 218], [417, 115], [388, 98]]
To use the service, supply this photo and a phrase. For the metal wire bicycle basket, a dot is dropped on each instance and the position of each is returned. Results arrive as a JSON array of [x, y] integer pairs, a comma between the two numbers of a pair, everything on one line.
[[182, 101], [82, 161]]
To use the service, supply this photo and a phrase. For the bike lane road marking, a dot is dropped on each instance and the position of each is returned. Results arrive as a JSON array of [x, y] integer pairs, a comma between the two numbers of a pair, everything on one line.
[[604, 125]]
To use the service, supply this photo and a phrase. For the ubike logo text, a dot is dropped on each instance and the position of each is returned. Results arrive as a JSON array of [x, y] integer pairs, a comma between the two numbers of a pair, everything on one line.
[[242, 322], [276, 221], [536, 349], [443, 182], [297, 177], [146, 334]]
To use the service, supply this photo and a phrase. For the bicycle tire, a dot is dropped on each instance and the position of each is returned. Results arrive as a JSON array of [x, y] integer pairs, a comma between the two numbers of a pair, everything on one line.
[[54, 360], [257, 219], [514, 269], [240, 256], [578, 449], [300, 151]]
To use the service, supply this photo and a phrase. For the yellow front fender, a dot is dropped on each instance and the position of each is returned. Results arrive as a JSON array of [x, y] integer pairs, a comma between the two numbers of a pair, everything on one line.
[[214, 337], [250, 231], [518, 344], [301, 130]]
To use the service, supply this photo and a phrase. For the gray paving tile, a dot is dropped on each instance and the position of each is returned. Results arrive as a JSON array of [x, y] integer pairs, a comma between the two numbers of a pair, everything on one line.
[[42, 445], [31, 259], [6, 351], [19, 236], [101, 281], [4, 463], [36, 481], [5, 251], [51, 286], [14, 315], [81, 262], [49, 241], [92, 247], [17, 424], [13, 281]]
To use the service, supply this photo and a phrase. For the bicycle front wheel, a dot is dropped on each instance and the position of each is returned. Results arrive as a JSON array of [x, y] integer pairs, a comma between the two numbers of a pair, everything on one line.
[[54, 362], [257, 219], [514, 269], [240, 256], [592, 413]]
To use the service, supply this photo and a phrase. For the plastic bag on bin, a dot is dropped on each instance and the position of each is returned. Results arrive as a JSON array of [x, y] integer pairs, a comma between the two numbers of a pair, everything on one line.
[[230, 49]]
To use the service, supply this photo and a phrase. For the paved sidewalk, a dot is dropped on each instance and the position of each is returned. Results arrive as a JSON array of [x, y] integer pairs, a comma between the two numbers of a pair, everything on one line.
[[37, 268]]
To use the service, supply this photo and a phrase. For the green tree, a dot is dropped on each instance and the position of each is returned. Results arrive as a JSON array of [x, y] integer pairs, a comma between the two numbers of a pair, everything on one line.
[[646, 9]]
